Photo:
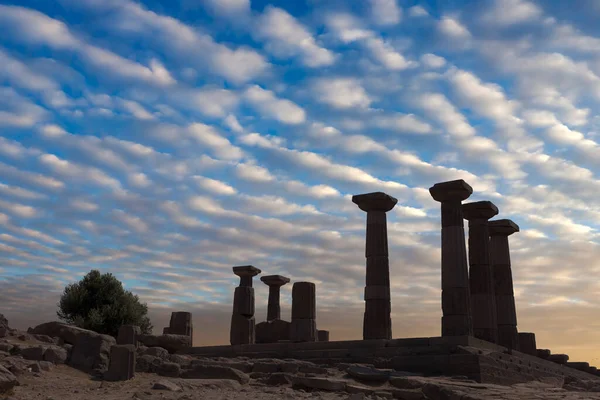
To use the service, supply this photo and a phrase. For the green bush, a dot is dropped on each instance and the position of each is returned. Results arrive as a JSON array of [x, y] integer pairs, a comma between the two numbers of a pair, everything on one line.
[[99, 303]]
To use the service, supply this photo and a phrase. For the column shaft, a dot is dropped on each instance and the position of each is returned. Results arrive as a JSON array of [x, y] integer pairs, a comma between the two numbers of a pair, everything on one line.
[[503, 287], [273, 308]]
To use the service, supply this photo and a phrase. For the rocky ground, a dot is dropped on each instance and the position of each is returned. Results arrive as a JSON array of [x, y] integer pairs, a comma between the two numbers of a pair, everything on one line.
[[35, 366]]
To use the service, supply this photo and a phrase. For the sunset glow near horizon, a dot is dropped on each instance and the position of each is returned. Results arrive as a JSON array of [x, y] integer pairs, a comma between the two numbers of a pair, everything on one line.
[[166, 142]]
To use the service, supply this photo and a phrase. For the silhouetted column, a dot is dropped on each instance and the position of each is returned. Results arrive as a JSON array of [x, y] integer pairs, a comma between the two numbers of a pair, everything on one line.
[[456, 304], [506, 311], [481, 277], [242, 321], [304, 312], [181, 324], [377, 323], [275, 282]]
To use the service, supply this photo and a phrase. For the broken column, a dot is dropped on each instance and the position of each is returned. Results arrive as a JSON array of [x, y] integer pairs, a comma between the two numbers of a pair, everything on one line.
[[456, 303], [377, 322], [527, 343], [322, 335], [304, 313], [275, 282], [128, 334], [181, 324], [481, 278], [506, 311], [242, 320], [122, 363]]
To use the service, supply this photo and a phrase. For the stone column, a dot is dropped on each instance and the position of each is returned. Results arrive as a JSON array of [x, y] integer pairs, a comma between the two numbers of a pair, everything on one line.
[[481, 277], [275, 282], [304, 313], [377, 322], [181, 324], [456, 303], [506, 311], [128, 335], [242, 321]]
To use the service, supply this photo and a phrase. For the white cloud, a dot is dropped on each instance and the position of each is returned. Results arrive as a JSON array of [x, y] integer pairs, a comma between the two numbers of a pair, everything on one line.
[[403, 123], [417, 11], [438, 107], [387, 55], [286, 37], [229, 7], [209, 137], [213, 102], [136, 109], [385, 12], [433, 61], [253, 173], [215, 186], [511, 12], [347, 28], [270, 105], [452, 28], [341, 93]]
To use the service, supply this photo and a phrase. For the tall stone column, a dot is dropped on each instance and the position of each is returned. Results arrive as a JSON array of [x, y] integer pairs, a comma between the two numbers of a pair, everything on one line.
[[456, 303], [506, 311], [377, 322], [304, 312], [275, 282], [242, 321], [481, 277]]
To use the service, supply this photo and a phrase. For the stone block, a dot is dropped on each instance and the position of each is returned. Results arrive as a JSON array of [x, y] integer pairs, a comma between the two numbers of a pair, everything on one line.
[[91, 351], [35, 353], [376, 201], [122, 363], [246, 273], [303, 330], [508, 336], [454, 258], [527, 343], [380, 292], [304, 300], [322, 335], [580, 366], [181, 323], [505, 309], [558, 358], [128, 334], [243, 301], [272, 331], [503, 282], [243, 330], [376, 241], [451, 191], [543, 353], [378, 271], [455, 301]]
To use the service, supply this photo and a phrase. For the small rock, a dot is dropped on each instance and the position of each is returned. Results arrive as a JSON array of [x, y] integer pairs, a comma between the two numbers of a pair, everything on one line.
[[214, 372], [166, 385], [357, 396], [56, 355], [368, 374], [168, 369], [265, 367], [331, 385], [7, 379], [35, 367], [35, 353], [157, 352], [279, 378]]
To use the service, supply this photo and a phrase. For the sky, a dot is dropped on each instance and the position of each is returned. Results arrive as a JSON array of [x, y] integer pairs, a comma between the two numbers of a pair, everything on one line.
[[166, 142]]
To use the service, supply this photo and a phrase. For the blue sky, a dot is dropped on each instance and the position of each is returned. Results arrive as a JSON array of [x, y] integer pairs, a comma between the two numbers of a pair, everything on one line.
[[166, 142]]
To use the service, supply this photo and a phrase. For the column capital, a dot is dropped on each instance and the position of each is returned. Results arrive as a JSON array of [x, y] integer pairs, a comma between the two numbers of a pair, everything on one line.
[[246, 270], [502, 227], [457, 190], [376, 201], [274, 280], [479, 210]]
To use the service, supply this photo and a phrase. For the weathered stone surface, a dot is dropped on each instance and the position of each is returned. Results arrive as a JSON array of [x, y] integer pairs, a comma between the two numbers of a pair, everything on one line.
[[170, 369], [159, 352], [376, 201], [181, 323], [323, 335], [272, 331], [68, 333], [166, 385], [243, 301], [91, 351], [214, 372], [35, 353], [172, 343], [527, 343], [368, 374], [128, 334], [333, 385], [45, 338], [267, 367], [543, 353], [377, 321], [303, 330], [278, 378], [243, 329], [122, 363], [56, 355], [304, 300], [147, 363], [3, 322], [7, 380], [246, 273], [578, 365]]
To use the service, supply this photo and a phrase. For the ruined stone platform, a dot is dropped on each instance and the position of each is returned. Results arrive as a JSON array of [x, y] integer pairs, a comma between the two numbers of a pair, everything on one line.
[[477, 359]]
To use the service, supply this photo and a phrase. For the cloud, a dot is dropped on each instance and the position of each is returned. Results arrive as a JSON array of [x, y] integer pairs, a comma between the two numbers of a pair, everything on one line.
[[385, 12], [209, 137], [269, 105], [511, 12], [452, 28], [286, 37], [341, 93]]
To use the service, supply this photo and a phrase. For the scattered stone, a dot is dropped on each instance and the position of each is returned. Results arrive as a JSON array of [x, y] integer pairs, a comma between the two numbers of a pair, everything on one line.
[[332, 385], [56, 355], [91, 351], [7, 379], [172, 343], [179, 359], [35, 367], [147, 363], [169, 369], [45, 365], [7, 347], [407, 382], [159, 352], [279, 378], [357, 396], [45, 338], [128, 334], [214, 372], [265, 367], [35, 353], [166, 385]]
